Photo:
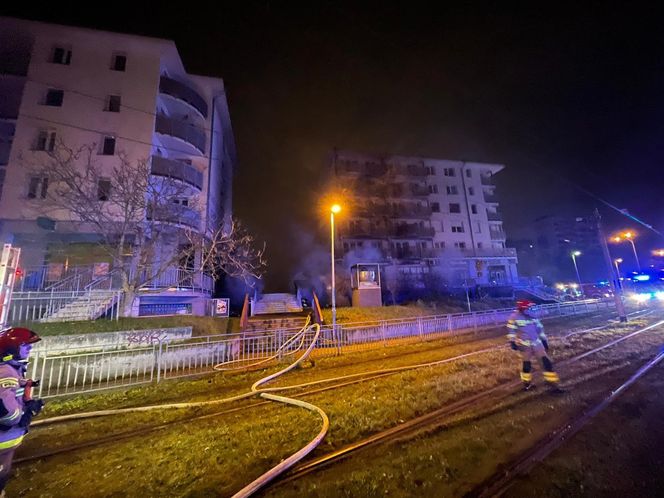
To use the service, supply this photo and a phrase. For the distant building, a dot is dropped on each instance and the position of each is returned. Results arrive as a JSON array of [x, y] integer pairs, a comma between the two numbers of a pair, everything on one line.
[[122, 92], [554, 239], [420, 216]]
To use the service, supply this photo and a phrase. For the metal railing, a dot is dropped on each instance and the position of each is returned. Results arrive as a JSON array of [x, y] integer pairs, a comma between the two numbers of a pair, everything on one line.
[[28, 307], [82, 372]]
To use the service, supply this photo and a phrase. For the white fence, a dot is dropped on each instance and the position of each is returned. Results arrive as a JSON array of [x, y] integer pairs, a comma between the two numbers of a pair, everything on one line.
[[79, 371]]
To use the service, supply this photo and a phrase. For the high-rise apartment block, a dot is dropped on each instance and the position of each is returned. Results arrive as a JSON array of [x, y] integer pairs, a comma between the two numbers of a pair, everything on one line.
[[125, 94], [417, 215]]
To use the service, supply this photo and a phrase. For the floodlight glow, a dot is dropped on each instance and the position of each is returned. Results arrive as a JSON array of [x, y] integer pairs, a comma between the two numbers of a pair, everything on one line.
[[642, 278]]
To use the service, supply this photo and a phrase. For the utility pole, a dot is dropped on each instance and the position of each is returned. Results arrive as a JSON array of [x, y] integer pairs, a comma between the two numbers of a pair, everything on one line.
[[617, 294]]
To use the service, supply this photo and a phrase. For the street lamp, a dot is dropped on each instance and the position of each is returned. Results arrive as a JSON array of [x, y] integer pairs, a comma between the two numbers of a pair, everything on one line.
[[334, 209], [578, 277], [616, 262], [659, 252], [629, 236]]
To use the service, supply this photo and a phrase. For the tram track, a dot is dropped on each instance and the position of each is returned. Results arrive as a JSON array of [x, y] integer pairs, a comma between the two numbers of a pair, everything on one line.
[[335, 383], [435, 418]]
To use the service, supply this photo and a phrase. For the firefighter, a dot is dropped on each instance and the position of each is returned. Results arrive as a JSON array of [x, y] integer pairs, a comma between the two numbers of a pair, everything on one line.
[[526, 335], [16, 404]]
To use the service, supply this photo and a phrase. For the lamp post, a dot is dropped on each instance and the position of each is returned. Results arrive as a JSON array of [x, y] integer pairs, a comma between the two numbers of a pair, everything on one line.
[[629, 236], [617, 262], [334, 209], [578, 277]]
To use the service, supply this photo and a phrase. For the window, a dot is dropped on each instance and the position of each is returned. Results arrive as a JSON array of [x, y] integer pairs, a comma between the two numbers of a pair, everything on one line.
[[37, 187], [449, 172], [457, 229], [439, 245], [181, 201], [54, 97], [478, 228], [433, 189], [108, 146], [435, 207], [460, 245], [431, 170], [3, 172], [455, 208], [471, 191], [112, 103], [103, 190], [119, 62], [45, 141], [469, 173], [61, 55], [473, 208], [452, 190], [479, 245]]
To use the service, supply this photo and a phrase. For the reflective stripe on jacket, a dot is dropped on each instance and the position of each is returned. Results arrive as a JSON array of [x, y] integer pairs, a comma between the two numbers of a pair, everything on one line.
[[11, 406], [524, 329]]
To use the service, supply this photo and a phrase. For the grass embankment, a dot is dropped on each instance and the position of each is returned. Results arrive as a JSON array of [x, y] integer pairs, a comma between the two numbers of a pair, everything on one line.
[[218, 456]]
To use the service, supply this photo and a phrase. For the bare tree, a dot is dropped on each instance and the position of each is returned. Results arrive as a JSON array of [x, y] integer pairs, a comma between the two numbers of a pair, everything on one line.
[[148, 224]]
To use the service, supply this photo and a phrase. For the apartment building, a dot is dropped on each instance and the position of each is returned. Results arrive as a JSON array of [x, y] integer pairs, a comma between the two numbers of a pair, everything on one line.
[[417, 215], [125, 94]]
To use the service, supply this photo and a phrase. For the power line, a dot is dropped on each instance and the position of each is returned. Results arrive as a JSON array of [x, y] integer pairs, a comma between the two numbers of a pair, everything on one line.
[[106, 132], [103, 99]]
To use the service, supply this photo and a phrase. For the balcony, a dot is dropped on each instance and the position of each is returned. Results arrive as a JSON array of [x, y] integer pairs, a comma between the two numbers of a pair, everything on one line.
[[494, 216], [412, 211], [490, 198], [417, 170], [177, 170], [487, 180], [416, 231], [182, 130], [176, 215], [419, 190], [182, 92], [497, 234], [489, 252], [360, 231]]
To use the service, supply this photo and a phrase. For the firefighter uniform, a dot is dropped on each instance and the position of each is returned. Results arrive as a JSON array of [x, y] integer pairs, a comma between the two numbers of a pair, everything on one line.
[[16, 404], [526, 335]]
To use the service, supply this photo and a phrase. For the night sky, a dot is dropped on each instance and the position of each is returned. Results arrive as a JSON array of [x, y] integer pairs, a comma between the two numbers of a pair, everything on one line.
[[562, 98]]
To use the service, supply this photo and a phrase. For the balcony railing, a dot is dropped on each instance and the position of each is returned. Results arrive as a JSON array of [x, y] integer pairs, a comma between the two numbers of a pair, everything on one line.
[[176, 278], [183, 92], [486, 179], [497, 234], [494, 216], [490, 197], [362, 231], [412, 231], [419, 190], [175, 214], [169, 168], [181, 129], [452, 252]]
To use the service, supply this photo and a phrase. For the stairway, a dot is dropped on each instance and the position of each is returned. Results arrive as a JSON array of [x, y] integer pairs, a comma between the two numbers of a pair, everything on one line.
[[539, 292], [276, 303], [275, 323], [87, 307]]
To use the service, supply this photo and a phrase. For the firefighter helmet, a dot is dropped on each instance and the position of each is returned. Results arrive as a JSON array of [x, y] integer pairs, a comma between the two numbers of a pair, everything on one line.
[[524, 304], [11, 340]]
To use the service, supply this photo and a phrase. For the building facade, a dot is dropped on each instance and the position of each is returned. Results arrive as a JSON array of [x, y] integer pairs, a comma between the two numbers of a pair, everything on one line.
[[121, 94], [420, 216]]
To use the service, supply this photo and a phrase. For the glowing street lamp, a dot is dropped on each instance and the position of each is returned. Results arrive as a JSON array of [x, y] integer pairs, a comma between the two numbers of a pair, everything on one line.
[[628, 236], [659, 252], [334, 209], [578, 277], [617, 262]]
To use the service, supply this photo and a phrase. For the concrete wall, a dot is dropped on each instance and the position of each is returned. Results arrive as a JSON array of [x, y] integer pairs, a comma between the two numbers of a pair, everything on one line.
[[108, 340]]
